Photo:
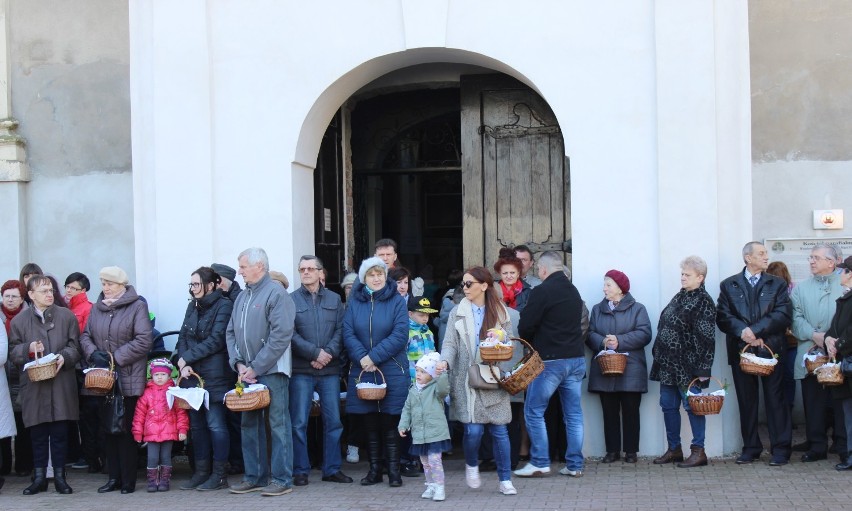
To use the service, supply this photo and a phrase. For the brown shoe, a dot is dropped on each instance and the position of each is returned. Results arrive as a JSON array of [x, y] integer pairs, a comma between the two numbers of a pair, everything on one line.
[[670, 456], [696, 459]]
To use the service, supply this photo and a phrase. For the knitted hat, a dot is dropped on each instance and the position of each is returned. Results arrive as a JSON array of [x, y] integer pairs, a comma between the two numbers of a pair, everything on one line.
[[420, 304], [280, 277], [349, 279], [428, 362], [224, 271], [620, 280], [371, 262], [160, 365], [114, 274]]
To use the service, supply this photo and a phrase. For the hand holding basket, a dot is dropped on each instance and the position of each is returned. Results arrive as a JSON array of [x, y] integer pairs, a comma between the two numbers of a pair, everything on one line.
[[179, 401], [100, 379], [42, 372]]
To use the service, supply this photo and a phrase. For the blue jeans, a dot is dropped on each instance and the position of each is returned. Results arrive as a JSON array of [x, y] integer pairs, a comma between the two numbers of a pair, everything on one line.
[[671, 398], [302, 387], [500, 437], [565, 375], [253, 426], [210, 429]]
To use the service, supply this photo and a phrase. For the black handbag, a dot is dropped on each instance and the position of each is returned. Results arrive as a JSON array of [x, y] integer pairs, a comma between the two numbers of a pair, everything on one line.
[[113, 413], [846, 366]]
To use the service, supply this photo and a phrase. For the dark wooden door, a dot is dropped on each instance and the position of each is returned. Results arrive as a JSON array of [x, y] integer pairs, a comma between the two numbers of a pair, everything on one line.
[[328, 205], [514, 170]]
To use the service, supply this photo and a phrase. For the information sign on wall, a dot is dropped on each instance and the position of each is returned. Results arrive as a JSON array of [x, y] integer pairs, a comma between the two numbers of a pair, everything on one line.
[[794, 252]]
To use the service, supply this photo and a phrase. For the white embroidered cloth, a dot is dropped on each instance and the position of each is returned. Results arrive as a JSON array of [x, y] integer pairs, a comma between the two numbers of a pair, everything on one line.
[[194, 396]]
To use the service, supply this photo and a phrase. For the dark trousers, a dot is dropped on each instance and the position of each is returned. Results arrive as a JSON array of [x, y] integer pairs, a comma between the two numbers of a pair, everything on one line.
[[817, 401], [122, 452], [90, 420], [514, 428], [23, 449], [778, 415], [50, 440], [621, 420], [235, 452]]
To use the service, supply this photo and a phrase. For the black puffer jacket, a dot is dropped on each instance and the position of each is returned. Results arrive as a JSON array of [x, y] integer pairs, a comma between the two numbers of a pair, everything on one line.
[[841, 329], [201, 342]]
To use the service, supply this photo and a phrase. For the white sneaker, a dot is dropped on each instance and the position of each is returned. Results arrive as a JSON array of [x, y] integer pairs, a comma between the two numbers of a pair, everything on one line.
[[506, 488], [531, 470], [472, 476], [571, 473], [430, 491], [49, 472], [439, 493], [352, 454]]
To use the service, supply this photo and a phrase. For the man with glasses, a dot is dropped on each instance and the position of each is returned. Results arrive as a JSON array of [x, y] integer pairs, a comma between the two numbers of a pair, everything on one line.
[[317, 343], [813, 308], [523, 253]]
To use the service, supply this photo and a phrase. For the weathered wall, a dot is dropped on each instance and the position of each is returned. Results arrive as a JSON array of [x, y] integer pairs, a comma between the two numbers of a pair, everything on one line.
[[70, 82], [801, 81]]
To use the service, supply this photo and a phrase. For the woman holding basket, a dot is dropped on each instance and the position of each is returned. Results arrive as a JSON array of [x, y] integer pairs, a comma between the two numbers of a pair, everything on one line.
[[48, 401], [621, 324], [476, 408], [683, 351], [202, 350], [375, 334]]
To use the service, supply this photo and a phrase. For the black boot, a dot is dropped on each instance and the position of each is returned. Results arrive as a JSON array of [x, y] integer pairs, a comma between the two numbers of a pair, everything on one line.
[[59, 481], [392, 447], [201, 474], [374, 450], [111, 485], [39, 482], [218, 477]]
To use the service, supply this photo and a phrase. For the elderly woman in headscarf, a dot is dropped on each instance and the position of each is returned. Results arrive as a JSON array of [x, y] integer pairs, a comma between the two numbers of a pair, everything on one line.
[[119, 325], [375, 334]]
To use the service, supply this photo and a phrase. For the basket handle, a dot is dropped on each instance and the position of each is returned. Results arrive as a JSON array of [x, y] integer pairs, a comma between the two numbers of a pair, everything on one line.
[[749, 346], [816, 350], [526, 344], [192, 373], [697, 378], [377, 380]]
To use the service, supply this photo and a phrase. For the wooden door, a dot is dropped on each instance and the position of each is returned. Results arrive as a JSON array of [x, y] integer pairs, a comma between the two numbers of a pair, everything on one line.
[[514, 171]]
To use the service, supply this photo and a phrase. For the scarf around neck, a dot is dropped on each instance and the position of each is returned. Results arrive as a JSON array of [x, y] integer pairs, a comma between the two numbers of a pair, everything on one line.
[[510, 294]]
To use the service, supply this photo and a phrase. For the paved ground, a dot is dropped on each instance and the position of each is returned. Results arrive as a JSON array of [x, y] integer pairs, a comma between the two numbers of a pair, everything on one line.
[[723, 485]]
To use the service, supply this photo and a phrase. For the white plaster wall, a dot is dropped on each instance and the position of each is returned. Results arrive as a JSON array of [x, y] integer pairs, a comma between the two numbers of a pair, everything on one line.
[[231, 100]]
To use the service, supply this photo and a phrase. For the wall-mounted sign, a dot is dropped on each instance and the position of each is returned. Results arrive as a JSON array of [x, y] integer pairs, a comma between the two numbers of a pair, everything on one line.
[[828, 219], [794, 252]]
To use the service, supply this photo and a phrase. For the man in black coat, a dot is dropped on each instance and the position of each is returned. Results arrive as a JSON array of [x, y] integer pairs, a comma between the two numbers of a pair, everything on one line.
[[754, 309]]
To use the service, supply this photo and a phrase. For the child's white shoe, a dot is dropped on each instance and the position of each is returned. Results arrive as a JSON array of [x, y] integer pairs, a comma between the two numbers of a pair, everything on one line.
[[430, 491], [507, 488], [439, 492], [472, 476], [352, 454]]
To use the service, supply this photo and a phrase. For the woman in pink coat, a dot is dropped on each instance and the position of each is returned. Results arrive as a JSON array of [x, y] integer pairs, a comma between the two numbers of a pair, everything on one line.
[[154, 422]]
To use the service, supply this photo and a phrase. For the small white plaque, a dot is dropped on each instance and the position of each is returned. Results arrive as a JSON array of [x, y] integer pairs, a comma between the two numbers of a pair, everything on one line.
[[327, 223], [828, 219]]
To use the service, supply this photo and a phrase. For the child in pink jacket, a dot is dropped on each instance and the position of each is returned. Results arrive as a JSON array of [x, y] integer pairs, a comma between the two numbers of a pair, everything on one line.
[[154, 422]]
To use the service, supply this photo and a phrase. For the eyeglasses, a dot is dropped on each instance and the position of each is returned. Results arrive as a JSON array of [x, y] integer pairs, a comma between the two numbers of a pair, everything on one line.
[[194, 284], [469, 283], [69, 287], [12, 297], [817, 258], [308, 270], [45, 292]]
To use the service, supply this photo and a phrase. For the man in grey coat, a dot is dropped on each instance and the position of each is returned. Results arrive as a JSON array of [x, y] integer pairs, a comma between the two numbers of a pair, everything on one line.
[[258, 339]]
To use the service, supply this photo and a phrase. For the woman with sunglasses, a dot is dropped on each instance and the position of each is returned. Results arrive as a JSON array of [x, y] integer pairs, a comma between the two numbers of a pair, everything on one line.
[[201, 349], [838, 341], [479, 310]]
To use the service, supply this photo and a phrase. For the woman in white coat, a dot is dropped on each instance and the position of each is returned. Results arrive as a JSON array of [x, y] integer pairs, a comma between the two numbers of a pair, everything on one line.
[[7, 416]]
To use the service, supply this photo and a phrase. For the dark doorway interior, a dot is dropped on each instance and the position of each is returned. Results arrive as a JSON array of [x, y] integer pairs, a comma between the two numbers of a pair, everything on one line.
[[407, 179]]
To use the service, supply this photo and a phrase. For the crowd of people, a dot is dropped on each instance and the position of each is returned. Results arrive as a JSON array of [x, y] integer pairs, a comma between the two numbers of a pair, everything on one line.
[[380, 336]]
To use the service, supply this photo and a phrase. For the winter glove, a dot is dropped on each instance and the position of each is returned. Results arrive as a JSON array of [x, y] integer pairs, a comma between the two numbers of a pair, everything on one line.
[[99, 359]]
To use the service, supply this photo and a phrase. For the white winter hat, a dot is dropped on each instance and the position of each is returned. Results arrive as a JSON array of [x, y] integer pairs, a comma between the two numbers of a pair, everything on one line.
[[368, 264], [428, 362]]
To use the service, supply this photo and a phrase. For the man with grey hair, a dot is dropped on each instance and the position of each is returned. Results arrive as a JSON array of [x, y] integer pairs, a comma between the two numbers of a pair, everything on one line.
[[553, 323], [258, 339], [754, 311], [813, 308]]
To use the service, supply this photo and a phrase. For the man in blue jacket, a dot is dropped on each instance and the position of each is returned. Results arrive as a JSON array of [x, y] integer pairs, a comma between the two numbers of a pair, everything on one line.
[[258, 338], [317, 343]]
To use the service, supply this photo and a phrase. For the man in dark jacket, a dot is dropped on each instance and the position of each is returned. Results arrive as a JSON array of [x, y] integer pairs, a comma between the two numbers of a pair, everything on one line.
[[317, 343], [553, 323], [229, 287], [754, 310]]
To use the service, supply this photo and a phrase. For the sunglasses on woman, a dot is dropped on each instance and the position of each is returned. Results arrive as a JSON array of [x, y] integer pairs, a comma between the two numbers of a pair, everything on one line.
[[468, 283]]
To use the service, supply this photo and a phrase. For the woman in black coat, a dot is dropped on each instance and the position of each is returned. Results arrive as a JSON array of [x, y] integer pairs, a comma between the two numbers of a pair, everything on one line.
[[202, 349], [838, 340], [621, 324]]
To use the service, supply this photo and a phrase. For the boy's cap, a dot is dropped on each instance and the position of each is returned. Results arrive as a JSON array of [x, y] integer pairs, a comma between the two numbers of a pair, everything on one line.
[[420, 304]]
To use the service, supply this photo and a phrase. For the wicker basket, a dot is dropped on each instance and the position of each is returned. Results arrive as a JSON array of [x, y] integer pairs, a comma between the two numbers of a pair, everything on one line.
[[830, 375], [491, 354], [42, 372], [372, 394], [749, 367], [821, 359], [100, 380], [705, 404], [247, 401], [520, 380], [181, 402], [612, 364]]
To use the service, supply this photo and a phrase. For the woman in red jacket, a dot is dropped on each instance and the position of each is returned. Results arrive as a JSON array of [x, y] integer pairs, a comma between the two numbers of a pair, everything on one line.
[[154, 422]]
